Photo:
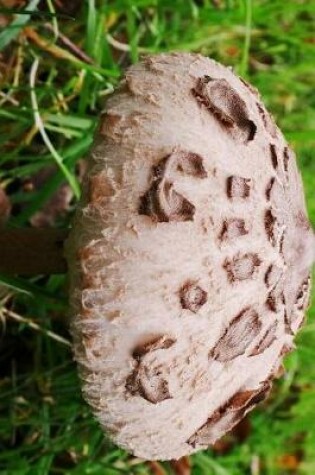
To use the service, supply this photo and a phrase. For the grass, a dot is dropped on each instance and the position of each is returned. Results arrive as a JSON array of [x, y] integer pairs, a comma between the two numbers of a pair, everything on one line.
[[59, 61]]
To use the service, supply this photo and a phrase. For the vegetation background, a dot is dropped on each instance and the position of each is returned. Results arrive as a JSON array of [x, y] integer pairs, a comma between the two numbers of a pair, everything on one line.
[[58, 61]]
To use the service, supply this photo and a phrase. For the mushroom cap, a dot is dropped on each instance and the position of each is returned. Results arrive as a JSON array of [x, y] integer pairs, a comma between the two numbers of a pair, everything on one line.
[[189, 257]]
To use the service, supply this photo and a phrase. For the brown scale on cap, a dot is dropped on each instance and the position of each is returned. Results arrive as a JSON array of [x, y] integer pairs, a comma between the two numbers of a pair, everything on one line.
[[160, 342], [286, 158], [203, 436], [251, 88], [275, 300], [192, 296], [268, 122], [286, 349], [147, 380], [233, 228], [302, 221], [218, 96], [287, 324], [189, 163], [162, 202], [270, 225], [245, 399], [272, 275], [238, 187], [266, 340], [99, 189], [271, 301], [268, 274], [149, 383], [229, 414], [281, 243], [269, 187], [238, 336], [302, 297], [241, 267], [273, 155], [109, 122]]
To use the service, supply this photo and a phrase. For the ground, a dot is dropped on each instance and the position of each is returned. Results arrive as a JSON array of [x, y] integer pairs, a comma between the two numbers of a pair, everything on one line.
[[58, 61]]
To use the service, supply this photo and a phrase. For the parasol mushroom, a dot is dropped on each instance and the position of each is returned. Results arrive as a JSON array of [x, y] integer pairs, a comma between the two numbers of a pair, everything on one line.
[[189, 257]]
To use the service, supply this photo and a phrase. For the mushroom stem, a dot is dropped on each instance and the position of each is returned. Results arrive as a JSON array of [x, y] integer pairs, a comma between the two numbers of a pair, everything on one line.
[[32, 251]]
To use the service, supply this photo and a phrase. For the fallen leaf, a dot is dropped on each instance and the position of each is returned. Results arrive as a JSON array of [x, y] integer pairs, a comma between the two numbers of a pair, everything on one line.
[[5, 206], [181, 466], [288, 462], [156, 468], [12, 3]]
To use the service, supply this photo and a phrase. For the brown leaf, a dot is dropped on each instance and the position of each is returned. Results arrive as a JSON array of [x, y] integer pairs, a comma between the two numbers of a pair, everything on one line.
[[181, 466], [242, 430], [12, 3], [4, 21], [222, 446], [156, 468], [288, 462], [69, 7], [5, 206]]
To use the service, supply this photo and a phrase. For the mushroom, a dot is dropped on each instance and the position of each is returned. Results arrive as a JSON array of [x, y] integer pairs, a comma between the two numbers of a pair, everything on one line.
[[189, 257]]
